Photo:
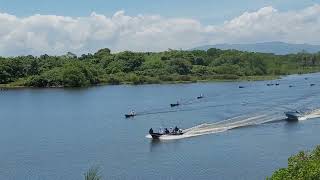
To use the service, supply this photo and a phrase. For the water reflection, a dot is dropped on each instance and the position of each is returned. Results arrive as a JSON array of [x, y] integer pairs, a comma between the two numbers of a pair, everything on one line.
[[157, 145]]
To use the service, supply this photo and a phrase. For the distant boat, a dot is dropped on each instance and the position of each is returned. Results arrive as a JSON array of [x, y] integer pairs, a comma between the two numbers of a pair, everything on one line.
[[290, 86], [200, 97], [293, 115], [130, 115], [174, 105], [277, 84], [312, 84], [241, 87], [270, 84]]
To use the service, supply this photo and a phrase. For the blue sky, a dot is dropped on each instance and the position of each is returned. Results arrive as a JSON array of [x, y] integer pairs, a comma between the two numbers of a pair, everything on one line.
[[151, 25], [206, 11]]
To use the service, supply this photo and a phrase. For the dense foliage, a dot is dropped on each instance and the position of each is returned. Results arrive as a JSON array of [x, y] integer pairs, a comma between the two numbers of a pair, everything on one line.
[[301, 166], [149, 67]]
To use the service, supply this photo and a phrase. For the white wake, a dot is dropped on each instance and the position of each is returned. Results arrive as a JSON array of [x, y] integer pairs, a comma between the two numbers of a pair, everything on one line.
[[210, 128]]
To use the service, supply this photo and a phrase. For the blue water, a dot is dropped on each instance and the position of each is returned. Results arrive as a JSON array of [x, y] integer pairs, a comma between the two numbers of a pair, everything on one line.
[[59, 133]]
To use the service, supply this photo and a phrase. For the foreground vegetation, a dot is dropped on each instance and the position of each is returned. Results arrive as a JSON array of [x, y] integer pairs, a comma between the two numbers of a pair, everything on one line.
[[104, 67], [302, 166], [93, 174]]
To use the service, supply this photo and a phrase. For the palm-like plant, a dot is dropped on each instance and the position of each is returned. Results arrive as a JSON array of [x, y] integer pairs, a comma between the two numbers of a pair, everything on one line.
[[93, 174]]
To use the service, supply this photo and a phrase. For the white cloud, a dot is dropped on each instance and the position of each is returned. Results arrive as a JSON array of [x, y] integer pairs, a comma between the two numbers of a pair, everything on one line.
[[39, 34]]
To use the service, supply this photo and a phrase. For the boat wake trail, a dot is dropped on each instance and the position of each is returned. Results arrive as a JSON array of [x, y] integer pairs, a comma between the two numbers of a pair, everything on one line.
[[221, 126], [310, 115], [236, 122]]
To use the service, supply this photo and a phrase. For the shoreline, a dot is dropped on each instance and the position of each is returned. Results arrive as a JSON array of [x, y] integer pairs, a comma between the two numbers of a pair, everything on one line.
[[241, 79]]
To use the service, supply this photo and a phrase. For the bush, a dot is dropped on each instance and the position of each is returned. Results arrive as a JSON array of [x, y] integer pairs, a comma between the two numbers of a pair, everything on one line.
[[113, 80], [304, 165]]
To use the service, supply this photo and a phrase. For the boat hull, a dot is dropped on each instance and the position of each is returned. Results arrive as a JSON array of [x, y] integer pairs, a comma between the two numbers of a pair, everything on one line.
[[173, 105], [293, 116], [159, 135], [129, 115]]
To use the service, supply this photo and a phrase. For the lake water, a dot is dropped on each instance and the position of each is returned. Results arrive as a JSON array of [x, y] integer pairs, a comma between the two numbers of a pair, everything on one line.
[[57, 134]]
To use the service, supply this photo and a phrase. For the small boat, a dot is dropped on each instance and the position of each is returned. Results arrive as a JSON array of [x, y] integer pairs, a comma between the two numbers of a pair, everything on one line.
[[293, 115], [200, 97], [312, 84], [165, 133], [277, 84], [290, 86], [129, 115], [174, 105], [270, 84], [241, 87]]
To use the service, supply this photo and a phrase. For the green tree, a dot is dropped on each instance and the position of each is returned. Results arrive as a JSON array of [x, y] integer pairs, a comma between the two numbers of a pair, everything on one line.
[[102, 53], [213, 52], [301, 166], [73, 77], [181, 66]]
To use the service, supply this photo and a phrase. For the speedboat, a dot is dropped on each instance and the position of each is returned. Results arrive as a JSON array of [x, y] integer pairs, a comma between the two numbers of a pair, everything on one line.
[[293, 115], [166, 133], [174, 105], [129, 115], [200, 97]]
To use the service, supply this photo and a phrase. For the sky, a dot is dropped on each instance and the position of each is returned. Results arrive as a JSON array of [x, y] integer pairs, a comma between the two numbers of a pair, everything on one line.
[[84, 26]]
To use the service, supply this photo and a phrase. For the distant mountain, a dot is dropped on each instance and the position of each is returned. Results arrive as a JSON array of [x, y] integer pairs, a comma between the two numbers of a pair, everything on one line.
[[279, 48]]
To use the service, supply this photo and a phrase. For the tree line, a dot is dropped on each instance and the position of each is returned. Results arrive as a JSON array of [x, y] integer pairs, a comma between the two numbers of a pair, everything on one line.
[[104, 67]]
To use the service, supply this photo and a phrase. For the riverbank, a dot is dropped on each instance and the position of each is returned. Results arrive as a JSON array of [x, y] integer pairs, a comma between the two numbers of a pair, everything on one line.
[[19, 84]]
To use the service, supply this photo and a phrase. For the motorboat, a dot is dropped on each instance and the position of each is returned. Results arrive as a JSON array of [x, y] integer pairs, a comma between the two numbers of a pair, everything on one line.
[[200, 97], [165, 133], [130, 115], [175, 104], [293, 115]]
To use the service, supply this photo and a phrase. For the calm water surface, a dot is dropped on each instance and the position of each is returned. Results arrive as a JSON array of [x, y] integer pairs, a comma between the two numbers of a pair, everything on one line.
[[59, 133]]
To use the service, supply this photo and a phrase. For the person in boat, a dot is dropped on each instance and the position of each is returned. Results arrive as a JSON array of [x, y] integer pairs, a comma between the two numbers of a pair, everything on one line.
[[150, 131], [160, 131], [166, 131], [176, 129], [132, 113]]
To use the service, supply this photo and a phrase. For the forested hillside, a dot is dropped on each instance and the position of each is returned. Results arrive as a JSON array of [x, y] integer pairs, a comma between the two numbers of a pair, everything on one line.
[[104, 67]]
